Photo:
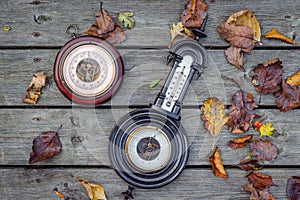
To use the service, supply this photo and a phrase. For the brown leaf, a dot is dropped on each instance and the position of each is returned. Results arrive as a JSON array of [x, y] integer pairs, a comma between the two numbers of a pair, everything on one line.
[[239, 142], [241, 112], [104, 21], [95, 192], [246, 18], [249, 164], [33, 93], [115, 36], [59, 195], [293, 188], [294, 80], [234, 56], [260, 181], [237, 36], [194, 13], [267, 77], [45, 146], [275, 34], [288, 97], [263, 194], [217, 164], [263, 150], [213, 115]]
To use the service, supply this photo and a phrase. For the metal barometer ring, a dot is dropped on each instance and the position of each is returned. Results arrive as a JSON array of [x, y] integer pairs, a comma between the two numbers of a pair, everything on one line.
[[87, 69], [149, 148]]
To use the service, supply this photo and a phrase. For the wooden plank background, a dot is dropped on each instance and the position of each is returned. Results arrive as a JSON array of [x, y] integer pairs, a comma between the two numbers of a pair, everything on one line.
[[30, 47]]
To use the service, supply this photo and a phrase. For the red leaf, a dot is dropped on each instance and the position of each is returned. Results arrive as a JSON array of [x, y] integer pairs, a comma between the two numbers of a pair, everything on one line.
[[260, 181], [293, 188], [263, 150], [45, 146], [239, 142], [234, 56]]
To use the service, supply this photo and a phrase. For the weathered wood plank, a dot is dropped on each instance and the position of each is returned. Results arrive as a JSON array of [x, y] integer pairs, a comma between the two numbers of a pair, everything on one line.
[[153, 19], [142, 66], [191, 184], [85, 134]]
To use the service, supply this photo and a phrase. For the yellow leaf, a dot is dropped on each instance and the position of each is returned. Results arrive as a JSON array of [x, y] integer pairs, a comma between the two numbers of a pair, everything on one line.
[[275, 34], [95, 192], [60, 195], [294, 80], [126, 19], [266, 129], [176, 29], [246, 18], [214, 115], [6, 28]]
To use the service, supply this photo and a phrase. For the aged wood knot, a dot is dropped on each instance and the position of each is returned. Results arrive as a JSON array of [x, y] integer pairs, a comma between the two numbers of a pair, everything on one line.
[[37, 59], [41, 18], [37, 119], [287, 16], [35, 2], [76, 139], [36, 34]]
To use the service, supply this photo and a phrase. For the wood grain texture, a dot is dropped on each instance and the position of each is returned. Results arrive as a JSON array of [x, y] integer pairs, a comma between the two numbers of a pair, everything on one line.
[[153, 19], [191, 184]]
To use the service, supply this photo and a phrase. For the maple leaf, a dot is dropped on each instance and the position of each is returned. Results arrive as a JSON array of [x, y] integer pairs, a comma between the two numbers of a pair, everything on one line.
[[260, 181], [263, 150], [239, 142], [293, 188], [288, 97], [241, 112], [104, 21], [266, 129], [237, 36], [45, 146], [95, 192], [249, 164], [33, 92], [194, 13], [126, 19], [275, 34], [267, 76], [246, 18], [214, 115], [217, 164], [235, 56], [294, 80]]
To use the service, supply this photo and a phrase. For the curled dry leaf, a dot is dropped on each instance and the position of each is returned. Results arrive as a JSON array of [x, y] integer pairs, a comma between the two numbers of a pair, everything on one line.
[[194, 13], [235, 56], [275, 34], [267, 76], [45, 146], [263, 150], [217, 164], [213, 115], [293, 188], [59, 195], [105, 22], [33, 93], [288, 97], [263, 194], [239, 142], [95, 192], [241, 112], [260, 181], [249, 164], [294, 80]]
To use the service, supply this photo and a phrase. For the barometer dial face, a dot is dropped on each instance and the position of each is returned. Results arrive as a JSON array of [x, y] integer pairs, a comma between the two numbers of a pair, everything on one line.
[[87, 70]]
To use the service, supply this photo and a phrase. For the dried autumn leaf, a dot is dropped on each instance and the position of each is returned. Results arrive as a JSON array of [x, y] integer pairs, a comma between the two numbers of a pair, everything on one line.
[[241, 112], [263, 150], [267, 76], [126, 19], [115, 36], [45, 146], [237, 36], [288, 97], [293, 188], [33, 93], [263, 194], [59, 195], [260, 181], [249, 164], [266, 129], [239, 142], [176, 29], [213, 115], [95, 192], [246, 18], [275, 34], [294, 80], [235, 56], [194, 13], [217, 164], [104, 21]]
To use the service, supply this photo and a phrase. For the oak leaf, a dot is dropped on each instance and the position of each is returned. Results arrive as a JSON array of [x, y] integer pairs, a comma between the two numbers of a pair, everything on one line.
[[266, 129], [249, 164], [293, 188], [194, 13], [239, 142], [246, 18], [294, 80], [217, 164], [104, 21], [213, 115], [33, 92], [275, 34], [260, 181], [288, 97], [267, 76], [263, 150], [45, 146], [126, 19], [235, 56], [95, 192], [241, 112]]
